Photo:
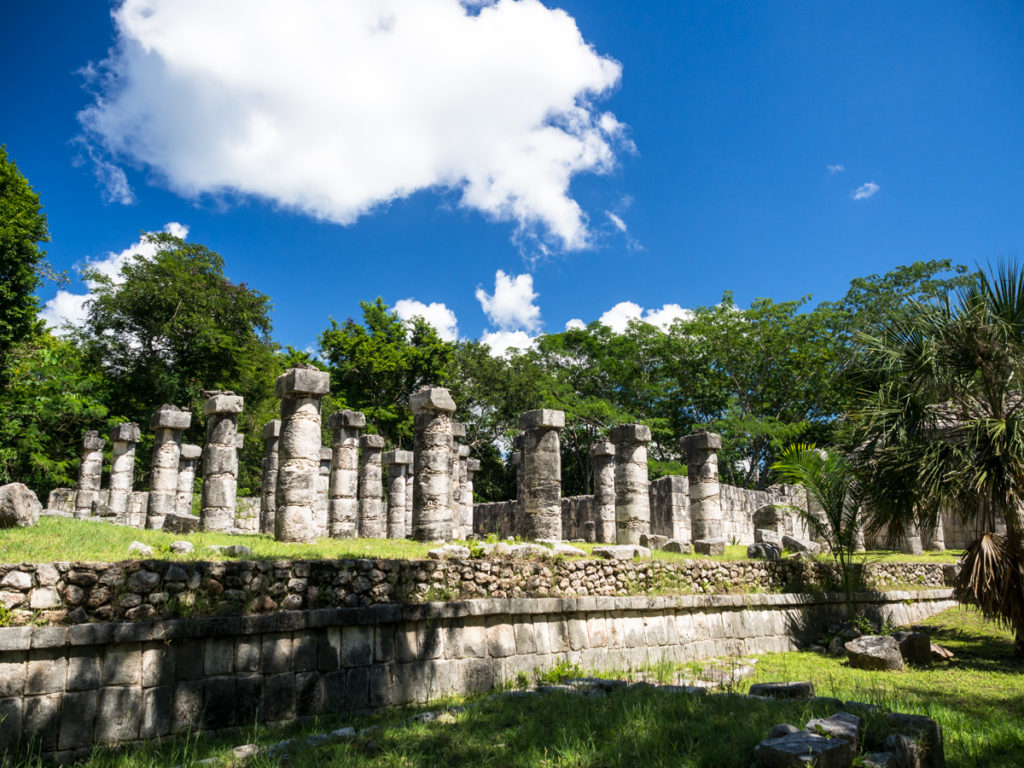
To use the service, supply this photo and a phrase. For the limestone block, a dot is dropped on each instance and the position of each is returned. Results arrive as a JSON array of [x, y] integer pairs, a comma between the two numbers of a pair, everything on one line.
[[190, 452], [302, 382], [92, 441], [432, 399], [841, 725], [702, 441], [171, 417], [219, 459], [473, 465], [125, 433], [709, 546], [397, 457], [630, 433], [371, 441], [271, 429], [458, 429], [226, 402], [347, 419], [803, 748], [542, 418], [19, 506], [874, 652], [602, 448]]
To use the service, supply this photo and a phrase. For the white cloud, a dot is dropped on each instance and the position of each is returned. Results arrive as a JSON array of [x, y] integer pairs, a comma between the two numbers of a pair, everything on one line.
[[616, 220], [511, 307], [864, 191], [575, 325], [70, 308], [337, 108], [435, 313], [504, 343], [618, 317], [834, 169]]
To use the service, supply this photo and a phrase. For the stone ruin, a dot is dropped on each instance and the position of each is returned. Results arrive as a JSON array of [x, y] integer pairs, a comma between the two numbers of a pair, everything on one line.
[[353, 488]]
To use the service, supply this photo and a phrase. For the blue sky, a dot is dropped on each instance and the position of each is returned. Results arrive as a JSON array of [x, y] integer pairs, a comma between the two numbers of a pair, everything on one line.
[[657, 154]]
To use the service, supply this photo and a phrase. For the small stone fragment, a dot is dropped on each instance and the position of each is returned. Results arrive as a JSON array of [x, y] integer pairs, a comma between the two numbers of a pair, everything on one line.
[[19, 506], [182, 547], [142, 549], [801, 690], [841, 725]]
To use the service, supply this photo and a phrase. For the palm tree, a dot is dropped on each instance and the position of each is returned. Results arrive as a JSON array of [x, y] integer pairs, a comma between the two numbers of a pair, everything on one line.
[[942, 425], [828, 480]]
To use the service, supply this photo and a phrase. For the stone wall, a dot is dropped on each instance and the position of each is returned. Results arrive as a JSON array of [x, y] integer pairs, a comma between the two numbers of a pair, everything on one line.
[[139, 591], [64, 689]]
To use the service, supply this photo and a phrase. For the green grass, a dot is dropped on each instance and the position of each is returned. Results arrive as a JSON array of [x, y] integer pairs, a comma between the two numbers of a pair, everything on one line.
[[978, 698], [57, 539]]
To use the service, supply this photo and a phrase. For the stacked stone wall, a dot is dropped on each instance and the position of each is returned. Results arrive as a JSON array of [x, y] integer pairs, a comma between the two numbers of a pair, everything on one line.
[[65, 689], [150, 589]]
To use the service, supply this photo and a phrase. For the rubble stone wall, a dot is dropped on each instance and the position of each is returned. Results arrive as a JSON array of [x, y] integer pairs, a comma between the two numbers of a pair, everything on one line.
[[64, 689]]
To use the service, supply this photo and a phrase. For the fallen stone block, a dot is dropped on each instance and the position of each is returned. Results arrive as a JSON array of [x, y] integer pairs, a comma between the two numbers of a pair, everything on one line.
[[141, 549], [874, 652], [182, 547], [801, 690], [675, 545], [841, 725], [767, 536], [621, 551], [449, 552], [764, 551], [793, 544], [175, 523], [19, 506], [800, 750], [923, 733], [916, 647], [940, 652], [653, 540], [709, 546]]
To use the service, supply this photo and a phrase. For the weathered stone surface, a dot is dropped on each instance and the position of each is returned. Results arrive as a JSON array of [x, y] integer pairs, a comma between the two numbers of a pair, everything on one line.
[[793, 544], [175, 523], [542, 418], [714, 546], [768, 536], [621, 551], [126, 433], [874, 652], [347, 419], [171, 417], [675, 545], [632, 488], [799, 750], [940, 653], [841, 725], [19, 506], [397, 457], [915, 647], [924, 733], [802, 690], [602, 455], [763, 551], [701, 449], [302, 382], [432, 399], [140, 548], [372, 521]]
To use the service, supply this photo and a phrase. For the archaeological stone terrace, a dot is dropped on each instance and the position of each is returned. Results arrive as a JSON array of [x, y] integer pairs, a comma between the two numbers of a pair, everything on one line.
[[357, 487]]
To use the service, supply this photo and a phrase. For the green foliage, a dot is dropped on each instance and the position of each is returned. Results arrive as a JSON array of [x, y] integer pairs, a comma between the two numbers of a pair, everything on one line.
[[376, 365], [53, 396], [22, 228]]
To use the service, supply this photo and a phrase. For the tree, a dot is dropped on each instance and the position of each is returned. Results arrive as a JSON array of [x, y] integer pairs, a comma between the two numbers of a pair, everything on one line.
[[828, 480], [22, 228], [376, 365], [172, 325], [942, 427], [53, 396]]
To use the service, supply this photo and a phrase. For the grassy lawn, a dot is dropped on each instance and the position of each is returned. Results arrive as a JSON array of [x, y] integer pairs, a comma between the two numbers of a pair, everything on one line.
[[57, 539], [978, 698]]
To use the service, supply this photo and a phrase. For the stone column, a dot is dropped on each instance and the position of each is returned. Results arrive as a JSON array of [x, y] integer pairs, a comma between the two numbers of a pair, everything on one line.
[[472, 467], [343, 494], [323, 490], [516, 524], [271, 437], [432, 410], [632, 488], [458, 432], [935, 539], [464, 509], [397, 463], [542, 473], [187, 460], [168, 423], [122, 470], [220, 460], [410, 480], [301, 391], [371, 508], [90, 473], [602, 456], [911, 542], [701, 450]]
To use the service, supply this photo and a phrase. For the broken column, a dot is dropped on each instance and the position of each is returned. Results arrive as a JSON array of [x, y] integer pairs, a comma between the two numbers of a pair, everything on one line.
[[168, 423], [397, 463], [464, 505], [271, 437], [935, 536], [602, 455], [220, 460], [432, 410], [701, 450], [90, 473], [632, 488], [542, 473], [516, 460], [371, 508], [472, 467], [122, 470], [343, 498], [301, 391], [410, 480], [323, 490], [458, 432], [187, 460]]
